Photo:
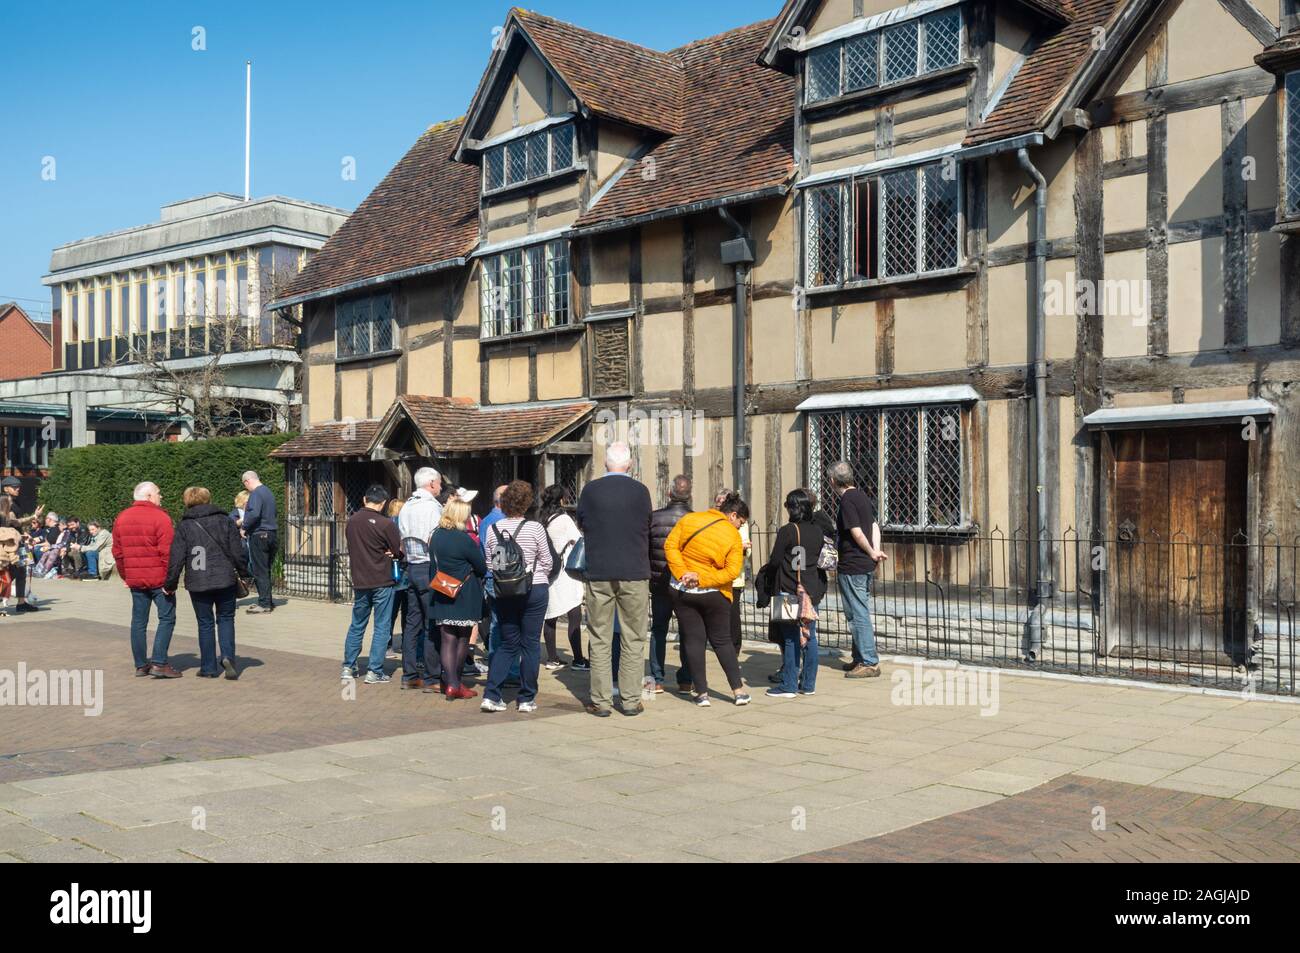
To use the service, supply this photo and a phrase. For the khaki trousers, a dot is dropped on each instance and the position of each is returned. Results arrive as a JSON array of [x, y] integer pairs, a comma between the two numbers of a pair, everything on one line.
[[632, 602]]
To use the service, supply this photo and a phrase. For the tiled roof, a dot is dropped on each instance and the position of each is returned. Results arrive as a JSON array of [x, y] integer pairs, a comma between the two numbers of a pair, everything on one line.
[[612, 77], [458, 425], [350, 438], [736, 137], [424, 211], [1046, 73]]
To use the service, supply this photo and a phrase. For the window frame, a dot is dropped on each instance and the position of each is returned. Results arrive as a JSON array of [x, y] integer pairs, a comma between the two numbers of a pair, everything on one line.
[[876, 479], [350, 311], [516, 311], [851, 188], [1290, 180], [921, 24], [525, 146]]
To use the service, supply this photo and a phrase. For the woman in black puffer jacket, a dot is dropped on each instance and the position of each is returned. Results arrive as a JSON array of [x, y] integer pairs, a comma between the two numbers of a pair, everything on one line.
[[206, 547]]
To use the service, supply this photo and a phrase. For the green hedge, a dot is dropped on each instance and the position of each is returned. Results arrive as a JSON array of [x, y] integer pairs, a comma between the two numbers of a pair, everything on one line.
[[96, 482]]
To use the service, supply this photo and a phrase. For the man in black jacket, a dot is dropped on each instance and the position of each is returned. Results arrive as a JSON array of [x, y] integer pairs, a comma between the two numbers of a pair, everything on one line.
[[662, 522]]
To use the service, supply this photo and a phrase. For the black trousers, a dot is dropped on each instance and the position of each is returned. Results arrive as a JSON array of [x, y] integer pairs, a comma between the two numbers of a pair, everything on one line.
[[261, 553], [737, 638], [421, 636], [19, 574], [706, 617]]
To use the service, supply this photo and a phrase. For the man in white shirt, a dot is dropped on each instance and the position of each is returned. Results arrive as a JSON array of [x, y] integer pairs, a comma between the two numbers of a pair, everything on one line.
[[421, 664]]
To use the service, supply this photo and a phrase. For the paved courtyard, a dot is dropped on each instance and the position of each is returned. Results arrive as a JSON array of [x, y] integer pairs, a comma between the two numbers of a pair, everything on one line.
[[286, 765]]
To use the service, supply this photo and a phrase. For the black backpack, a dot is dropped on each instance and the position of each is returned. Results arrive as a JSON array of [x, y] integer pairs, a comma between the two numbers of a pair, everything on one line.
[[557, 559], [512, 577]]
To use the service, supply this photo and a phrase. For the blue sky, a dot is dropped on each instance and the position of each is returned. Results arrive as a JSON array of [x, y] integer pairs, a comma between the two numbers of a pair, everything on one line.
[[134, 117]]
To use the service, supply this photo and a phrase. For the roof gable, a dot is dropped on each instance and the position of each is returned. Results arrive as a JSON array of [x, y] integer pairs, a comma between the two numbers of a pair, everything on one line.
[[604, 75], [450, 425]]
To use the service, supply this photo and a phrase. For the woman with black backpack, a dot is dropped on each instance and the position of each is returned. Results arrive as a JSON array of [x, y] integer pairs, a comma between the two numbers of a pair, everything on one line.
[[205, 547], [519, 557], [564, 600]]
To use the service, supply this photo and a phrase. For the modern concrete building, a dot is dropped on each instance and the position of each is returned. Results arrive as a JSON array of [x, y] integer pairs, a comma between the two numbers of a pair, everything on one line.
[[185, 294]]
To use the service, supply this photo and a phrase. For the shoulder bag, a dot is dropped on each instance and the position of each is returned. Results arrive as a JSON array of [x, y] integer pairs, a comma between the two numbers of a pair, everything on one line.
[[241, 587], [442, 583]]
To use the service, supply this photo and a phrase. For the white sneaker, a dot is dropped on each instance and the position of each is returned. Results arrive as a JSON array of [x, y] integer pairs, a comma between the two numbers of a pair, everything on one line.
[[702, 701], [481, 666], [348, 673], [742, 699], [527, 706], [490, 705]]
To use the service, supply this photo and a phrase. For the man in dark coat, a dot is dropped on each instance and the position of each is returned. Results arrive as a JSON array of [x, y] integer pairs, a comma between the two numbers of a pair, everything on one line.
[[142, 546], [662, 522], [373, 544]]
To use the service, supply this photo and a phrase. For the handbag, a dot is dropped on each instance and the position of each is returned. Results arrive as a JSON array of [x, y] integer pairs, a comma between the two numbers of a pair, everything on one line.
[[442, 583], [829, 558], [576, 564], [788, 606], [241, 587]]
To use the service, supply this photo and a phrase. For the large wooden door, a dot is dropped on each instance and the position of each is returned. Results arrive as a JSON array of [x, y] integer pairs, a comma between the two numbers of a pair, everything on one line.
[[1177, 525]]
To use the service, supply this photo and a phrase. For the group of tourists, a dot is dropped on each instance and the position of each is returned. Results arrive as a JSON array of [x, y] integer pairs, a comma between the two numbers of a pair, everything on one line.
[[506, 584], [215, 551]]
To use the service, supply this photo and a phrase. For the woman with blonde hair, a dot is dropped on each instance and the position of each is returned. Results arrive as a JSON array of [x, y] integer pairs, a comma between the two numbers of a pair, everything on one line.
[[205, 547], [457, 570]]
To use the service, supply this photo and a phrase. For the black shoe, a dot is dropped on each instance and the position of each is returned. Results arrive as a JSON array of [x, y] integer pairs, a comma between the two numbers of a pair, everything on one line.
[[583, 666], [25, 607], [775, 677], [634, 710]]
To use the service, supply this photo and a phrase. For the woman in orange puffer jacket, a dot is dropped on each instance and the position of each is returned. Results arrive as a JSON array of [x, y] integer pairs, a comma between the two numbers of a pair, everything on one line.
[[705, 555]]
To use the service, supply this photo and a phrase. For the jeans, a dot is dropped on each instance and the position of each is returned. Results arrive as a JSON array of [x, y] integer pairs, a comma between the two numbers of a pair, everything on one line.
[[521, 639], [661, 613], [261, 553], [420, 634], [855, 594], [218, 604], [141, 600], [92, 563], [494, 628], [380, 602], [793, 677]]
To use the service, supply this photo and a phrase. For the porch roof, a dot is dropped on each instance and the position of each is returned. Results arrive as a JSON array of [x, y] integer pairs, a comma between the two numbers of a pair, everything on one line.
[[1175, 414], [339, 438], [454, 425]]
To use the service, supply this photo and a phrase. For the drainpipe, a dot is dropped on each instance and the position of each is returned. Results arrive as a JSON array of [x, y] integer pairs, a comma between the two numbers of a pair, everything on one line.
[[739, 253], [1043, 591]]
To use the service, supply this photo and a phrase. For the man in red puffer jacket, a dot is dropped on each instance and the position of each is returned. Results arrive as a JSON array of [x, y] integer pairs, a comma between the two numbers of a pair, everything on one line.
[[142, 544]]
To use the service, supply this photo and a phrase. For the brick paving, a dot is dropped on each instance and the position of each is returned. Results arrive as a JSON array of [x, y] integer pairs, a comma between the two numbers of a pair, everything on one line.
[[1090, 820], [279, 766], [281, 702]]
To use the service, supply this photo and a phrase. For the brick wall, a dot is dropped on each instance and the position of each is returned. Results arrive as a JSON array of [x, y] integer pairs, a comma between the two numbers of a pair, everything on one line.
[[24, 351]]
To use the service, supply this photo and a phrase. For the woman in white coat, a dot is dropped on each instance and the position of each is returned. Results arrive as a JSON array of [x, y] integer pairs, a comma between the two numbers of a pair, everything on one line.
[[566, 592]]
